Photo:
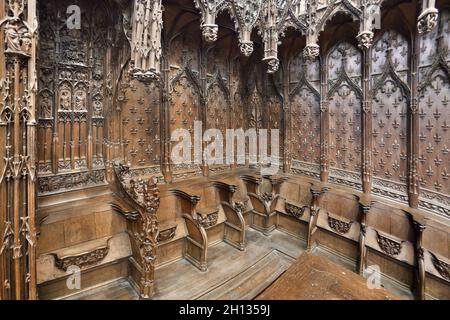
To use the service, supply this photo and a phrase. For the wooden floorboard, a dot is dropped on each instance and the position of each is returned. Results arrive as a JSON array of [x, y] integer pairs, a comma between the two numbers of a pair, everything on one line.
[[313, 277], [117, 290], [251, 282], [225, 263]]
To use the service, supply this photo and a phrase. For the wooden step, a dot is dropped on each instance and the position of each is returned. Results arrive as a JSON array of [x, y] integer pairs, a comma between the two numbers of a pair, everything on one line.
[[251, 282], [116, 290]]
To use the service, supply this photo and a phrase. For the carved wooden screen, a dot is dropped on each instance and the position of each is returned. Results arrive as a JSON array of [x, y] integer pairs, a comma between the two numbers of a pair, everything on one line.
[[390, 102], [434, 114], [73, 93], [345, 109], [141, 125], [305, 116]]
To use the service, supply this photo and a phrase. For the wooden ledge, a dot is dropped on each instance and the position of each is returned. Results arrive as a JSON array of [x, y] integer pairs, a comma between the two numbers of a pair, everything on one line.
[[82, 255]]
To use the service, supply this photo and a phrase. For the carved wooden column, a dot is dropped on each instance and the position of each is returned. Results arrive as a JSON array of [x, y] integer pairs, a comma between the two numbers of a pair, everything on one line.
[[366, 123], [209, 10], [418, 222], [414, 131], [203, 114], [324, 125], [317, 191], [370, 13], [365, 204], [165, 115], [246, 14], [270, 35], [18, 87], [312, 49], [287, 123]]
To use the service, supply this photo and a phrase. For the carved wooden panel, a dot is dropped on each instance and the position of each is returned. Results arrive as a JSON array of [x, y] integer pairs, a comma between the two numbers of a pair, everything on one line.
[[218, 109], [254, 109], [184, 105], [141, 124], [305, 111], [238, 112], [272, 112], [391, 96], [345, 112], [434, 114], [74, 89]]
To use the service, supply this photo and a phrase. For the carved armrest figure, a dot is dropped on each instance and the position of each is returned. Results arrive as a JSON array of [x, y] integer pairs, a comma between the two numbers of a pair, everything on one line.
[[197, 239], [317, 191], [139, 201]]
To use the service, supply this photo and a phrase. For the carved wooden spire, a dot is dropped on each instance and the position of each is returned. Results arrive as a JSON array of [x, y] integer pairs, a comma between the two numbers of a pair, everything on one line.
[[270, 36], [209, 10], [311, 50], [146, 39]]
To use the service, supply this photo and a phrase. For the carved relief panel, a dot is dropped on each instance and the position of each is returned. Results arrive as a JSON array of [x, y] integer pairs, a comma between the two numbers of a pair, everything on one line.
[[434, 114], [75, 88], [345, 113], [390, 102], [304, 100]]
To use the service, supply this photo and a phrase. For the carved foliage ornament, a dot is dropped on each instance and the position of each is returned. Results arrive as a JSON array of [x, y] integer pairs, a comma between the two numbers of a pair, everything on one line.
[[339, 225], [208, 221], [295, 211], [209, 10], [427, 20], [390, 246], [442, 267], [82, 260], [246, 14]]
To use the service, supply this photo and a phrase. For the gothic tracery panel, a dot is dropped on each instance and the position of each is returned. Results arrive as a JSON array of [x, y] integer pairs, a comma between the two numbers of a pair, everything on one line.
[[345, 113], [74, 90], [184, 105], [305, 113], [390, 104], [434, 113]]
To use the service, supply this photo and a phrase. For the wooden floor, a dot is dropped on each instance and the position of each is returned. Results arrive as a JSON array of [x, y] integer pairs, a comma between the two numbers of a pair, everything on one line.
[[232, 274], [312, 277]]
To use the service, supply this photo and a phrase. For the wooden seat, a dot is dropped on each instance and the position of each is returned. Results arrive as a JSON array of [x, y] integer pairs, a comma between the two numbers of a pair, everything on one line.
[[235, 223], [197, 239], [264, 193]]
